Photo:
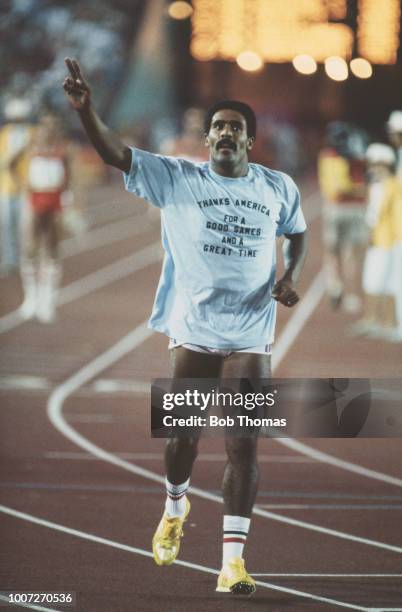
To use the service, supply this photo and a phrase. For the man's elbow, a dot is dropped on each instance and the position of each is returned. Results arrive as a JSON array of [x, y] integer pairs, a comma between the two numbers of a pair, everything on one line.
[[120, 160], [299, 239]]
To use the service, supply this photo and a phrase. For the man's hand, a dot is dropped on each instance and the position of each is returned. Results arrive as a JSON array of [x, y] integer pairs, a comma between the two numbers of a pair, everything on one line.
[[75, 86], [284, 292]]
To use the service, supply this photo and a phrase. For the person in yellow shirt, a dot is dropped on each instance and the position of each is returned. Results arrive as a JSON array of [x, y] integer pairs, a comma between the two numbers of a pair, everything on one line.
[[341, 178], [392, 209], [379, 310], [393, 200], [15, 134]]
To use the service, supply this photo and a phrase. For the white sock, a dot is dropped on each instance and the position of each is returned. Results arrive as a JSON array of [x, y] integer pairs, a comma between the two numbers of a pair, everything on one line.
[[176, 498], [235, 531]]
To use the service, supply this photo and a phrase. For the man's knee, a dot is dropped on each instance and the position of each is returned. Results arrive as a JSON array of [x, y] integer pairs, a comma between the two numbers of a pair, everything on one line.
[[241, 451], [187, 446]]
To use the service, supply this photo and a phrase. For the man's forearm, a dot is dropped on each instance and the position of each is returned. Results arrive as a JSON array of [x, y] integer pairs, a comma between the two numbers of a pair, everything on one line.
[[294, 252], [107, 144]]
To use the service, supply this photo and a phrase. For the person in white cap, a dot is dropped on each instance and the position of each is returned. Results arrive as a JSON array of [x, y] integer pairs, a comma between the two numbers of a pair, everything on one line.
[[392, 207], [379, 311], [394, 127], [14, 137], [393, 202]]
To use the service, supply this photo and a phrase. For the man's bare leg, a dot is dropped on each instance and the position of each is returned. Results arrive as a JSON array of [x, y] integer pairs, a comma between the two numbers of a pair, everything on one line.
[[240, 483], [180, 455], [240, 478]]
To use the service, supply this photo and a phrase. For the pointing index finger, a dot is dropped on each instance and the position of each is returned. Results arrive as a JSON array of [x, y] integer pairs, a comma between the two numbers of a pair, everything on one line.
[[77, 69], [69, 63]]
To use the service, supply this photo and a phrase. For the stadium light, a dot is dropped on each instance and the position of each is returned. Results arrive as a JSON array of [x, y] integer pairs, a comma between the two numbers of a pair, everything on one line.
[[305, 64], [315, 27], [180, 10], [203, 48], [250, 61], [361, 68], [336, 68], [378, 28]]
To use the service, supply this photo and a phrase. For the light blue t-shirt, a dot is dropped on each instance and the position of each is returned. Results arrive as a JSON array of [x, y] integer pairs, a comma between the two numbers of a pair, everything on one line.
[[218, 235]]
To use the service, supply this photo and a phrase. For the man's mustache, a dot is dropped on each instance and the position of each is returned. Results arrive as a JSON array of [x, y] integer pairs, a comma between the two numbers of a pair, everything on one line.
[[227, 143]]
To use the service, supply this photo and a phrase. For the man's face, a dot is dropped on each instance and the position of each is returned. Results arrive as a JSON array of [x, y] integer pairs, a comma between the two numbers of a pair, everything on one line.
[[227, 138]]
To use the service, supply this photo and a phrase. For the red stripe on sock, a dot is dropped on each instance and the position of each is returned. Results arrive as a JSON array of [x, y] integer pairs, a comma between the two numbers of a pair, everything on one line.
[[176, 497], [240, 540]]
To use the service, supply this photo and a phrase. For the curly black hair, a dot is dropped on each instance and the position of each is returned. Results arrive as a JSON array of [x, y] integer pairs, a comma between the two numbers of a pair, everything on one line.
[[241, 107]]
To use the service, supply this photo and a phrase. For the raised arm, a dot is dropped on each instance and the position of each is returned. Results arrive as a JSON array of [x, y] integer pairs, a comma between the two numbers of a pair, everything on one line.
[[107, 144], [294, 251]]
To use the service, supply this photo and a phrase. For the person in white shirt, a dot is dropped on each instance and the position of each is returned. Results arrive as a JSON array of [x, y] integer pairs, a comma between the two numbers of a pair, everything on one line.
[[218, 292]]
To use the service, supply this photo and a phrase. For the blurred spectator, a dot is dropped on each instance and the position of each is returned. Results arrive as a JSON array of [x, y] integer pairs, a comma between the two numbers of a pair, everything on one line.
[[99, 30], [14, 137], [379, 309], [392, 207], [47, 184], [394, 127], [283, 140], [190, 143], [341, 176], [393, 203]]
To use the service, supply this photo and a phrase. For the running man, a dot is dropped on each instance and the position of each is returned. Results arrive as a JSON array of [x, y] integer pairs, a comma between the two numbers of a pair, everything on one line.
[[217, 295]]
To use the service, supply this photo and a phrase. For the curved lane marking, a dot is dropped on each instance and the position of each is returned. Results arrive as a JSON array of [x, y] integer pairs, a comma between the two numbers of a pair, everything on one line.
[[95, 280], [145, 553], [105, 360]]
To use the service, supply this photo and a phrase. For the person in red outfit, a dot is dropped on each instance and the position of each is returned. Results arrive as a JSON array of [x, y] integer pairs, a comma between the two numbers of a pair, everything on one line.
[[47, 182]]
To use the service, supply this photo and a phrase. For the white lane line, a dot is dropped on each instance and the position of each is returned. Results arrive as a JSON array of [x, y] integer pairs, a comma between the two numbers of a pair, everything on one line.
[[106, 419], [300, 317], [160, 456], [331, 506], [32, 383], [10, 321], [329, 575], [287, 337], [105, 360], [25, 605], [13, 319], [318, 455], [110, 210], [140, 551], [106, 235], [111, 273], [116, 385], [96, 280]]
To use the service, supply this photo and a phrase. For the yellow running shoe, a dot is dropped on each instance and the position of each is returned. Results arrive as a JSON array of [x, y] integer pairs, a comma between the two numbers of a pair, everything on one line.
[[166, 541], [235, 579]]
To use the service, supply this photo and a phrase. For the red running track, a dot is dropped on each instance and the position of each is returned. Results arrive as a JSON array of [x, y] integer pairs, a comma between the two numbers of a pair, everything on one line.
[[326, 536]]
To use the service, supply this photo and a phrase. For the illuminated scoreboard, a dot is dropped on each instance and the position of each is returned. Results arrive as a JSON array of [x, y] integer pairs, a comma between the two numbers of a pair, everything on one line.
[[280, 30], [378, 30]]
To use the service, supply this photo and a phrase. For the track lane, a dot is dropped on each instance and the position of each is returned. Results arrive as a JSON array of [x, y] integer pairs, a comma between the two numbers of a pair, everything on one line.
[[138, 366]]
